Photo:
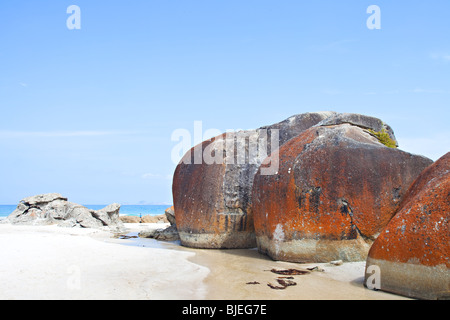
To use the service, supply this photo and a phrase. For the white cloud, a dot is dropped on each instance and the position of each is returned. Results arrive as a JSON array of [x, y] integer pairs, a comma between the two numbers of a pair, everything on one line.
[[440, 56], [421, 90]]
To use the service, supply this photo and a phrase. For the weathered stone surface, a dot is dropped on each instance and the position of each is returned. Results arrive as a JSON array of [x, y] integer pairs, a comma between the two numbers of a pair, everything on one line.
[[43, 198], [108, 215], [413, 252], [336, 189], [170, 215], [359, 120], [212, 199], [83, 216], [144, 219], [54, 209], [167, 234]]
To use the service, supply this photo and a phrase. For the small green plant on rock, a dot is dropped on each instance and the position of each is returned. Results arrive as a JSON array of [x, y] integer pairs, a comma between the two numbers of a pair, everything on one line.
[[384, 138]]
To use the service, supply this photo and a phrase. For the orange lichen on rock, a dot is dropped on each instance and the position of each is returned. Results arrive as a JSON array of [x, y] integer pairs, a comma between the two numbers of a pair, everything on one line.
[[336, 189], [212, 201], [416, 242], [420, 230], [199, 205]]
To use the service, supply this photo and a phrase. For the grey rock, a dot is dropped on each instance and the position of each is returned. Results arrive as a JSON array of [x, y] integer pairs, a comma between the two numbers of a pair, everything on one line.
[[337, 262], [43, 198], [21, 209], [295, 125], [359, 120], [167, 234], [108, 215], [69, 223], [53, 208], [170, 215], [149, 234]]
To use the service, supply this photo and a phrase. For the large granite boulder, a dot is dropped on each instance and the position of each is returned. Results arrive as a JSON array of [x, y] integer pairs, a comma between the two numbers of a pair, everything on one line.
[[212, 183], [337, 187], [413, 253], [53, 208]]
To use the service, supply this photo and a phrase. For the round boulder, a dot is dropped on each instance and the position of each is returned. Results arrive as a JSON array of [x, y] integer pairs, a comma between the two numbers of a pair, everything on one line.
[[412, 253], [337, 187], [212, 183]]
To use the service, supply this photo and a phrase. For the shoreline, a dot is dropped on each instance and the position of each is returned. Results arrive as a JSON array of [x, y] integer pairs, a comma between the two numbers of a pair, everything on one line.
[[50, 262]]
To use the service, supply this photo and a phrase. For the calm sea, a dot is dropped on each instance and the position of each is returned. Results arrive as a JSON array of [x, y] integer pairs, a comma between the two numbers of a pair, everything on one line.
[[129, 210]]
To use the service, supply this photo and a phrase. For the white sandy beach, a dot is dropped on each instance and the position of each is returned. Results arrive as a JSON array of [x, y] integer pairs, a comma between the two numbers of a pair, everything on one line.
[[49, 262], [58, 263]]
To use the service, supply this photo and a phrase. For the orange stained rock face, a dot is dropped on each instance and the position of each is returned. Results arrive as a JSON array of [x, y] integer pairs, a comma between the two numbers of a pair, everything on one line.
[[420, 233], [192, 177], [198, 198], [333, 189]]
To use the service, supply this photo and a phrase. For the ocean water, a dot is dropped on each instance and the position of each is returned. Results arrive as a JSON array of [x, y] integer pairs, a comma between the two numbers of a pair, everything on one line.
[[6, 210], [128, 210]]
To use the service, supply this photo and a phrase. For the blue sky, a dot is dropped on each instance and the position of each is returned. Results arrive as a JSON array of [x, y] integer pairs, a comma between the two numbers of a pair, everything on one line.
[[89, 113]]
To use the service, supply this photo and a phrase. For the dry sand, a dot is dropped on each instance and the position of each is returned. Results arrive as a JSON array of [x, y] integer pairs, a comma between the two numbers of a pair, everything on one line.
[[50, 262], [58, 263]]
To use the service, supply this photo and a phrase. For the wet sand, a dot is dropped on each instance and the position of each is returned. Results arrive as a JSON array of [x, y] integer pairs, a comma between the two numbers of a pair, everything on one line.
[[231, 270]]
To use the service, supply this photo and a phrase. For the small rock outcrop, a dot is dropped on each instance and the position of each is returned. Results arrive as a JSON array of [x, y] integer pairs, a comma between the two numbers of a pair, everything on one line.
[[144, 219], [412, 253], [170, 215], [168, 234], [336, 189], [53, 208]]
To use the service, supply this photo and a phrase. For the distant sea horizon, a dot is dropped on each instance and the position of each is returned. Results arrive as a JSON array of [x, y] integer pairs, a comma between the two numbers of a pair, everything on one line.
[[126, 210]]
